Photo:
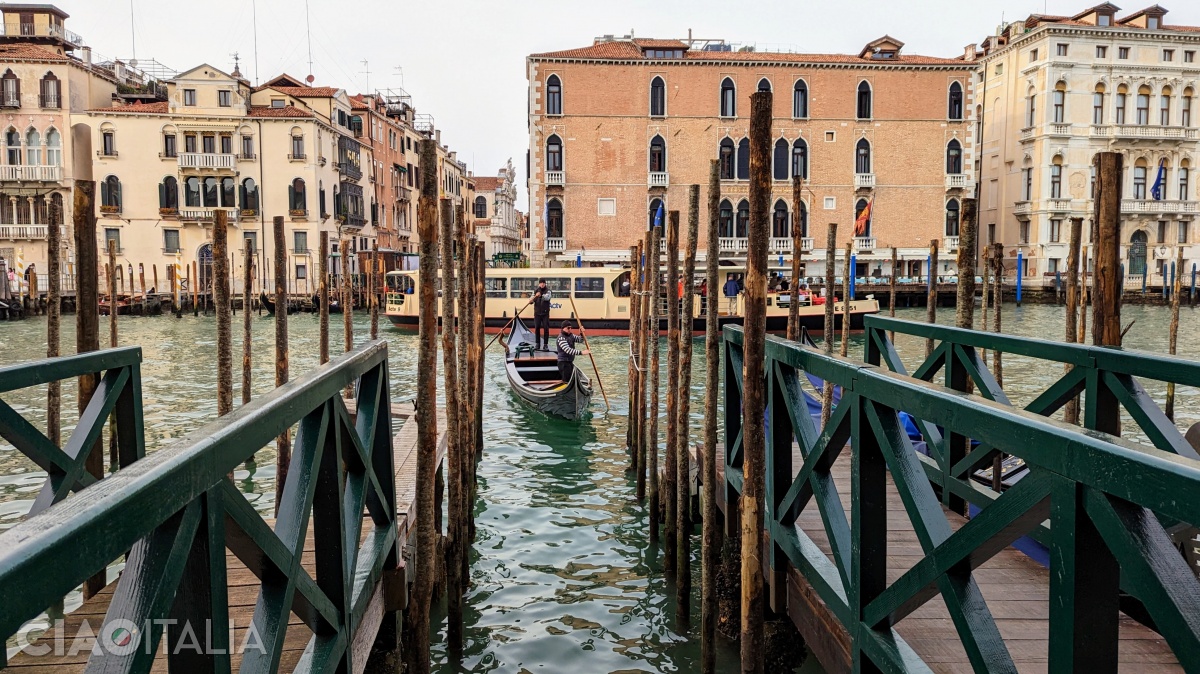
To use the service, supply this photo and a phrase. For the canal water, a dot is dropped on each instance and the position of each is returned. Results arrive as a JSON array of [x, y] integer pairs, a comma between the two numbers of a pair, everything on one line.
[[561, 576]]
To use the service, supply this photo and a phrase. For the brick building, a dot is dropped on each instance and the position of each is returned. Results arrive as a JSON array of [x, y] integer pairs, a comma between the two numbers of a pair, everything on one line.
[[625, 124], [494, 213]]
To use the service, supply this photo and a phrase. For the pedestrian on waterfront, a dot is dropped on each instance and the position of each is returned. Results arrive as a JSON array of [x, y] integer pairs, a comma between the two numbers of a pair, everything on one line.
[[731, 291], [567, 351], [541, 314]]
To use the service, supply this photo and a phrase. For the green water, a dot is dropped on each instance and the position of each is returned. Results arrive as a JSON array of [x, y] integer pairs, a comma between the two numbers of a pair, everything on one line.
[[561, 575]]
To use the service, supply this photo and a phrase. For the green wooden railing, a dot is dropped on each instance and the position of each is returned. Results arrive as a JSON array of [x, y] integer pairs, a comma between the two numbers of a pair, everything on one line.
[[118, 394], [1106, 500], [176, 511]]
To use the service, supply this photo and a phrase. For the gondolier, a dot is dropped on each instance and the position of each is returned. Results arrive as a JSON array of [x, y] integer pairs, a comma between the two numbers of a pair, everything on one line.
[[541, 315], [567, 351]]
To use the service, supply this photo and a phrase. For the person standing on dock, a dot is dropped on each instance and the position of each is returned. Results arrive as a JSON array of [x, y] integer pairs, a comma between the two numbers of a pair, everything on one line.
[[541, 315], [732, 291], [567, 351]]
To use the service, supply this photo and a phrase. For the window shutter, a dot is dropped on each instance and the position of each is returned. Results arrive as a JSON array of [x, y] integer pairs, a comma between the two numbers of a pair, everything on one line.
[[242, 197], [117, 189], [291, 197], [17, 82], [162, 195], [104, 193]]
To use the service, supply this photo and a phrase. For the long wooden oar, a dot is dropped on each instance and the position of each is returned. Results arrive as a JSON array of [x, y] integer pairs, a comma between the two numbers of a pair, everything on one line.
[[506, 326], [575, 313]]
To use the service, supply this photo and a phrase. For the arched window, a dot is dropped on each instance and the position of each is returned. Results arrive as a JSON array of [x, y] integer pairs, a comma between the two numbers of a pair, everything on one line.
[[1060, 103], [553, 95], [1143, 105], [53, 148], [33, 148], [956, 101], [954, 157], [12, 142], [1139, 179], [743, 159], [655, 205], [191, 192], [1185, 108], [800, 158], [298, 196], [250, 196], [168, 194], [865, 232], [658, 155], [480, 207], [1056, 178], [742, 226], [1098, 104], [658, 97], [780, 221], [1164, 107], [554, 157], [862, 156], [554, 219], [803, 220], [952, 212], [10, 90], [725, 220], [1031, 109], [726, 154], [210, 194], [764, 84], [864, 100], [228, 193], [1121, 98], [800, 100], [728, 98], [110, 194], [1184, 176], [780, 160], [49, 95]]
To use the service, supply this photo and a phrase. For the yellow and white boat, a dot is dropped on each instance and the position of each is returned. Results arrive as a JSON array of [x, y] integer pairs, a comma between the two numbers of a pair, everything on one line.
[[601, 297]]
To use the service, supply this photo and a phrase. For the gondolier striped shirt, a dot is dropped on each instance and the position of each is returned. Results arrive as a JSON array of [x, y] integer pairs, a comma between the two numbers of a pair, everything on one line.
[[566, 347]]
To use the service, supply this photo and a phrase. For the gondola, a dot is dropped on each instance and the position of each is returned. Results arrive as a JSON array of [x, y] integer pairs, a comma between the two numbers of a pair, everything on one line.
[[534, 377], [335, 305], [268, 303]]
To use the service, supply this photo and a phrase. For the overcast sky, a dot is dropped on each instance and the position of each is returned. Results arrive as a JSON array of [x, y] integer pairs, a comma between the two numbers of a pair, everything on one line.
[[464, 62]]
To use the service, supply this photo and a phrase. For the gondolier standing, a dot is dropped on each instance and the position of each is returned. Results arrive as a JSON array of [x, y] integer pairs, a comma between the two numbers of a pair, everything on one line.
[[541, 315], [567, 351]]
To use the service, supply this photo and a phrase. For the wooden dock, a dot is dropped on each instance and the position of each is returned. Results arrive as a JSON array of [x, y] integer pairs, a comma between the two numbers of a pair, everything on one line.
[[1015, 587], [244, 586]]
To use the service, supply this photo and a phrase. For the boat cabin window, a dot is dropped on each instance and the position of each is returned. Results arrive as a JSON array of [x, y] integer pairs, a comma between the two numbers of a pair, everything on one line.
[[524, 287], [618, 285], [496, 287], [589, 288], [401, 284]]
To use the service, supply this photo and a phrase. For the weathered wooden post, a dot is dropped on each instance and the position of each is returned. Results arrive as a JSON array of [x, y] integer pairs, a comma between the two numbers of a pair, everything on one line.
[[754, 400], [479, 324], [631, 365], [1173, 333], [247, 302], [793, 325], [986, 267], [830, 263], [650, 248], [710, 545], [1081, 333], [373, 288], [892, 292], [323, 298], [450, 367], [931, 299], [669, 486], [222, 301], [194, 283], [347, 307], [1106, 289], [1071, 413], [652, 278], [141, 281], [87, 325], [847, 282], [964, 312], [464, 289], [683, 463], [53, 316], [173, 275], [417, 614], [154, 281], [111, 269], [283, 456], [997, 359]]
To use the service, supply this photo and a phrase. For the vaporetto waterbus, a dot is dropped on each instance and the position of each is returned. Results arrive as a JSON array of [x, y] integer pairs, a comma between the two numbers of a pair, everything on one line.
[[600, 295]]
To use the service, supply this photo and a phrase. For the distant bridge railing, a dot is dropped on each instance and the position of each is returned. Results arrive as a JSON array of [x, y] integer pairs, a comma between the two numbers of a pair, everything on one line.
[[1106, 500], [175, 512]]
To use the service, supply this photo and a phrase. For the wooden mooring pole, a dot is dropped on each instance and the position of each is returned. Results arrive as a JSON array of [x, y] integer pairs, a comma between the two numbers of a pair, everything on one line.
[[283, 452], [194, 284], [1173, 333], [847, 280], [1106, 289], [142, 282], [892, 292], [650, 250], [450, 372], [655, 283], [417, 615], [247, 303], [964, 311], [347, 308], [111, 268], [373, 288], [931, 299], [223, 304], [710, 544], [87, 325], [753, 605], [631, 431], [669, 482], [998, 294], [53, 316], [683, 463], [1071, 413], [477, 357], [793, 324], [830, 263], [323, 298]]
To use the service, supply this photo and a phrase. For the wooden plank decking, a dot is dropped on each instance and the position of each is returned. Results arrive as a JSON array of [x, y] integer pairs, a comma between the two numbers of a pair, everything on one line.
[[243, 585], [1015, 588]]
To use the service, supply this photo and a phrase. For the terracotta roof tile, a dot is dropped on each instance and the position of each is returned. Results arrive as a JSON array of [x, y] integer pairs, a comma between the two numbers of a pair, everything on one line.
[[308, 92], [629, 51], [486, 183], [660, 44], [156, 108], [30, 52], [289, 111]]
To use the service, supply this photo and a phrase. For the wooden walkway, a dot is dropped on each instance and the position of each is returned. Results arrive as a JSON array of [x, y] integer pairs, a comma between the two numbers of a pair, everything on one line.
[[243, 584], [1015, 588]]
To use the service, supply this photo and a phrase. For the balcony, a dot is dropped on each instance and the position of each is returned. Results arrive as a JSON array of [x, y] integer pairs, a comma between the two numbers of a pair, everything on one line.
[[1059, 129], [864, 244], [1059, 204], [956, 181], [30, 30], [1139, 132], [49, 101], [10, 101], [659, 179], [1027, 133], [1022, 208], [1101, 131], [206, 214], [950, 243], [207, 161], [403, 194], [556, 178], [864, 181], [1152, 206], [783, 245], [45, 174], [738, 244], [555, 244], [23, 232]]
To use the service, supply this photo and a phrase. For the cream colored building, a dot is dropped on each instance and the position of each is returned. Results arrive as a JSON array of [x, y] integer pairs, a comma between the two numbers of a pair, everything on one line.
[[1054, 91], [495, 214]]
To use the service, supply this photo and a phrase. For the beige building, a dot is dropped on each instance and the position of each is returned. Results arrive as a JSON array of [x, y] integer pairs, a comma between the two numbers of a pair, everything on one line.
[[1054, 91], [625, 125], [494, 212]]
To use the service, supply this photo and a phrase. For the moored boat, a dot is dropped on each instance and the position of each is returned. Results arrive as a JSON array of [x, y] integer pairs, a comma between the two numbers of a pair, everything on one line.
[[534, 377]]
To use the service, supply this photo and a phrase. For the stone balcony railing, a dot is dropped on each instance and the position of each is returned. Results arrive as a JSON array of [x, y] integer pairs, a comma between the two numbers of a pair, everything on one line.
[[555, 244], [1022, 207], [783, 245], [206, 214], [1136, 131], [864, 243], [659, 179], [733, 244], [864, 181], [956, 181], [1165, 206], [556, 178], [45, 174], [950, 244], [1027, 133], [207, 160], [23, 232], [1058, 129], [1059, 204]]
